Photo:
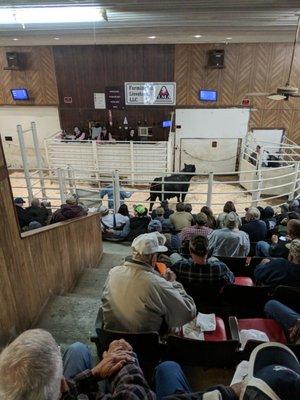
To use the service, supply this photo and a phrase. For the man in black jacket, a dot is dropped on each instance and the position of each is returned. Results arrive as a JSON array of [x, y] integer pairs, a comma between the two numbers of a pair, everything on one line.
[[36, 212], [21, 212]]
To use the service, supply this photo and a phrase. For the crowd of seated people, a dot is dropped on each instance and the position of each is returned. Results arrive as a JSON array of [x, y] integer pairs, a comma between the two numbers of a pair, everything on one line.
[[40, 214], [141, 296]]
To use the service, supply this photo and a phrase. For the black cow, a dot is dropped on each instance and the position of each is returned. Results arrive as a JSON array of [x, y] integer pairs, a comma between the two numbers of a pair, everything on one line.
[[175, 189]]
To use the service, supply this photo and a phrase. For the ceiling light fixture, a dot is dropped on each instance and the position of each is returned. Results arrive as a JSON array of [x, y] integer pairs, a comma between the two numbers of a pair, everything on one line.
[[49, 15], [15, 39], [197, 36], [228, 38], [151, 37], [56, 38]]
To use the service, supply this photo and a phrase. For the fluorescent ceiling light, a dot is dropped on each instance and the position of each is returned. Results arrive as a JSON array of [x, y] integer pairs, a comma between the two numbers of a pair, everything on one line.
[[15, 39], [49, 15], [198, 36], [228, 38], [151, 37]]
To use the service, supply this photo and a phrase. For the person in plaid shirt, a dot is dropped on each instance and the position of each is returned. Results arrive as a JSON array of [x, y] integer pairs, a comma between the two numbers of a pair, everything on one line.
[[199, 269], [199, 229]]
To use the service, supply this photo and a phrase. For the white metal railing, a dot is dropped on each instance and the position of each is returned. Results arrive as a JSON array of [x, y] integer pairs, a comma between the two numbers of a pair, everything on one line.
[[57, 184]]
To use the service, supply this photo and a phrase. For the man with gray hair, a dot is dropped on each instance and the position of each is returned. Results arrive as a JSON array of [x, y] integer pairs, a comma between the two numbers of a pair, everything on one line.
[[136, 298], [36, 212], [279, 271], [256, 229], [229, 241], [31, 368]]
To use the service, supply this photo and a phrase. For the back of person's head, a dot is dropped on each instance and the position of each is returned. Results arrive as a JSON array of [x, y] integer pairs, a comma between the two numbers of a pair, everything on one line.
[[262, 212], [208, 211], [268, 212], [229, 207], [31, 367], [294, 205], [164, 204], [123, 210], [34, 225], [188, 207], [103, 210], [160, 211], [155, 226], [231, 220], [140, 210], [199, 246], [46, 203], [35, 202], [72, 201], [293, 228], [294, 254], [180, 207], [252, 213], [201, 219]]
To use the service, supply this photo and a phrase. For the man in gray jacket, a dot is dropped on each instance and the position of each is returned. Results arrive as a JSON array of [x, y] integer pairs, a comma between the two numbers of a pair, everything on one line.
[[137, 298]]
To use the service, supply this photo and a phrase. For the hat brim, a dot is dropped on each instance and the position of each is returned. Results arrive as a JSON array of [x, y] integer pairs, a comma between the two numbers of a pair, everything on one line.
[[269, 353]]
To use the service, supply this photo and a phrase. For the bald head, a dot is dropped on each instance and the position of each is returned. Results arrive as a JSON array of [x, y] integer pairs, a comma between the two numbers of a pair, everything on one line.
[[293, 228]]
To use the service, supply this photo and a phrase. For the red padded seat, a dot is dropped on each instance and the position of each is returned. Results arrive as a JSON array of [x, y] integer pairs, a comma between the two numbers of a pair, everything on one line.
[[271, 328], [219, 334], [243, 281]]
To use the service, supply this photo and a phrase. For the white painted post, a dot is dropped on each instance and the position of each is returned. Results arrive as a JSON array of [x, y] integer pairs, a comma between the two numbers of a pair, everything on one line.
[[71, 180], [38, 157], [95, 160], [131, 148], [163, 186], [170, 152], [25, 163], [210, 189], [295, 183], [116, 189], [61, 184], [257, 184]]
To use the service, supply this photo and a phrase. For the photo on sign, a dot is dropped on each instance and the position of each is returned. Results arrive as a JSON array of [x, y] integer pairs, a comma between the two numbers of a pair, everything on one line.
[[150, 93]]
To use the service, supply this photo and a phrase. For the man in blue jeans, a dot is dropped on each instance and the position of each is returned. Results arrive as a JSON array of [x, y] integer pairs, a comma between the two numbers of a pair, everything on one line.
[[286, 317]]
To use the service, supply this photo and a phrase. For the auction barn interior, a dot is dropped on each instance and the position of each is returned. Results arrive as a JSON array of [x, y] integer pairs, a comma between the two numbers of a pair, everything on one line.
[[149, 199]]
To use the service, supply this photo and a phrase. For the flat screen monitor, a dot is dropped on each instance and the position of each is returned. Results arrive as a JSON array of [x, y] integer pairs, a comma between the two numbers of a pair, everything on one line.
[[19, 94], [167, 124], [208, 95]]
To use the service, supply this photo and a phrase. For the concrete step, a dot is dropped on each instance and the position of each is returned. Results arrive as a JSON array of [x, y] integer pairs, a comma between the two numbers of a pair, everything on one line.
[[109, 260], [70, 318]]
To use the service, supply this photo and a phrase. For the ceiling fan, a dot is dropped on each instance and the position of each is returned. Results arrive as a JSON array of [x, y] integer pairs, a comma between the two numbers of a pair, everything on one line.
[[287, 91]]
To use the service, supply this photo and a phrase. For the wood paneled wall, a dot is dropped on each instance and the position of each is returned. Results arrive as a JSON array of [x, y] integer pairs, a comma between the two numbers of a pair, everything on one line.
[[248, 68], [40, 263], [83, 70], [38, 77]]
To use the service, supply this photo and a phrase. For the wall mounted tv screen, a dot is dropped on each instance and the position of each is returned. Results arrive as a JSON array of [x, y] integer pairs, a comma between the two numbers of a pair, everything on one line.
[[19, 94], [208, 95], [167, 124]]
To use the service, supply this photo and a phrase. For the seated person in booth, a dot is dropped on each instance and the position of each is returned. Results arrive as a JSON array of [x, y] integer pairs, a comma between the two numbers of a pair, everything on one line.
[[268, 216], [21, 212], [289, 319], [96, 131], [253, 226], [37, 213], [228, 208], [200, 228], [136, 298], [200, 269], [114, 220], [159, 215], [211, 221], [273, 374], [132, 135], [281, 213], [67, 211], [104, 135], [279, 271], [136, 225], [32, 368], [277, 247], [181, 219], [167, 211], [254, 154], [229, 241], [109, 192]]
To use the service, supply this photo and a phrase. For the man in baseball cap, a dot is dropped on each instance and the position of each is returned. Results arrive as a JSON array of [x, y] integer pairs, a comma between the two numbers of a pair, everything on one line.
[[23, 218], [136, 298]]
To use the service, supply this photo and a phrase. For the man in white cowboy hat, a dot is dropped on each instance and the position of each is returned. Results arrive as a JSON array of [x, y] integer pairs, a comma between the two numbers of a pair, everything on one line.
[[136, 298]]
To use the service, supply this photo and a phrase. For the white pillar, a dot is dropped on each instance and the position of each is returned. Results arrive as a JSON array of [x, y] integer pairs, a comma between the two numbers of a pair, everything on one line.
[[25, 163], [38, 157], [210, 189]]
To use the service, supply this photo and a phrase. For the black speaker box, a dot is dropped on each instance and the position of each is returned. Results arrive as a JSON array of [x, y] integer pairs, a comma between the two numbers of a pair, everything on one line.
[[216, 59]]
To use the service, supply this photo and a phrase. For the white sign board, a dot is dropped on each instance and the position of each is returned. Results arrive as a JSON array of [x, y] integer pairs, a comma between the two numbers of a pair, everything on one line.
[[99, 101], [150, 93]]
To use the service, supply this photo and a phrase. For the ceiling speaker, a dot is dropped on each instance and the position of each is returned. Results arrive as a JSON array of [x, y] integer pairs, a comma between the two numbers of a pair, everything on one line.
[[14, 61], [216, 59]]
